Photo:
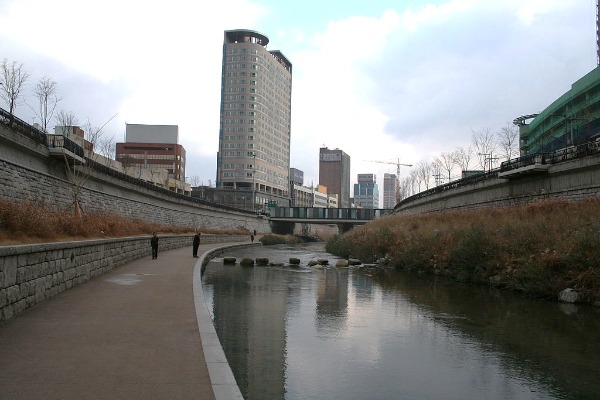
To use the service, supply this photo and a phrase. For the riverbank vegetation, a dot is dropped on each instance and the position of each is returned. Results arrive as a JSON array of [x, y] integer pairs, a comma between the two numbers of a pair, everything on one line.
[[271, 239], [29, 222], [538, 249]]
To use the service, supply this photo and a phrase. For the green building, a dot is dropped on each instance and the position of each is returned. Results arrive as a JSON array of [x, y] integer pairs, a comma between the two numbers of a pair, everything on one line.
[[570, 120]]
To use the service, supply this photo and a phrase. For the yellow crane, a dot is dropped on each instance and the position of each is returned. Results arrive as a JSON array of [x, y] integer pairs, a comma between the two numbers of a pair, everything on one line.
[[397, 164]]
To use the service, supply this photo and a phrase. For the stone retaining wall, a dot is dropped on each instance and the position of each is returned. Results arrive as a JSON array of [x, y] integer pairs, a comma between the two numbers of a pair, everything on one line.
[[571, 180], [33, 273], [29, 173]]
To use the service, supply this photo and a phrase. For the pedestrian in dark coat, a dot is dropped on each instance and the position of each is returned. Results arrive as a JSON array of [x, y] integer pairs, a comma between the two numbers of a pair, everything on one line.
[[154, 245], [196, 244]]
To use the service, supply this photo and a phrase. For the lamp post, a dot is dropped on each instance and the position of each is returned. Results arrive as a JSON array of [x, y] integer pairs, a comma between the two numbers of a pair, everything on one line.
[[486, 157], [254, 182]]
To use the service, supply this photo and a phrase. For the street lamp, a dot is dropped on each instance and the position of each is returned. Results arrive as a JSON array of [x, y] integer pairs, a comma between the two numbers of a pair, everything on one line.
[[486, 157], [254, 182]]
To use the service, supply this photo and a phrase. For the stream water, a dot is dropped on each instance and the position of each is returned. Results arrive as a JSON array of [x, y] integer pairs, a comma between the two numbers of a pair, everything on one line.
[[350, 333]]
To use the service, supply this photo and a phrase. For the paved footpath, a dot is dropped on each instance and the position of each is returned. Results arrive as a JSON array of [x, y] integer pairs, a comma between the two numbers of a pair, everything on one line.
[[133, 333]]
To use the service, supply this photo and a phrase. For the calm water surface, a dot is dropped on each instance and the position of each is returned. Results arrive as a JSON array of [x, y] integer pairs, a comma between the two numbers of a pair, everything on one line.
[[333, 333]]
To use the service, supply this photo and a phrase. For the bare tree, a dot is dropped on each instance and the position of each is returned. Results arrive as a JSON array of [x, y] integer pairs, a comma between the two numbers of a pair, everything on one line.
[[462, 157], [508, 140], [436, 171], [195, 181], [65, 119], [446, 160], [485, 145], [406, 187], [423, 169], [12, 81], [105, 146], [45, 91], [416, 180], [79, 169]]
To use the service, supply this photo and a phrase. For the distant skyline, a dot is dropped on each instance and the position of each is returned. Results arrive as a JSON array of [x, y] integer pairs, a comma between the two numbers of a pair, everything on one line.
[[382, 80]]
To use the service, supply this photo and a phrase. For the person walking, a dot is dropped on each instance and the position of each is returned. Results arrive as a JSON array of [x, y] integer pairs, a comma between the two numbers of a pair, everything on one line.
[[154, 245], [196, 244]]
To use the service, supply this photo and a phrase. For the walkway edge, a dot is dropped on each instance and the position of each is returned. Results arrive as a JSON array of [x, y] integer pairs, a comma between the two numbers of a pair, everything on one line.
[[223, 382]]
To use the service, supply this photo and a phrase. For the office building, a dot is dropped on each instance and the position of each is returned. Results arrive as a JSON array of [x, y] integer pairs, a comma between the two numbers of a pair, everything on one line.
[[391, 191], [366, 192], [334, 173], [152, 153], [304, 196], [255, 120]]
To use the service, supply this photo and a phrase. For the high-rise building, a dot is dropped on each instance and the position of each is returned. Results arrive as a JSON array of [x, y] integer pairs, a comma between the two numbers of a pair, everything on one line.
[[366, 191], [255, 126], [390, 190], [334, 173]]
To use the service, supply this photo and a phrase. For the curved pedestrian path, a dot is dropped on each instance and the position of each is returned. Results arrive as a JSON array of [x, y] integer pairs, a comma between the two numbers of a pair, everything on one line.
[[141, 331]]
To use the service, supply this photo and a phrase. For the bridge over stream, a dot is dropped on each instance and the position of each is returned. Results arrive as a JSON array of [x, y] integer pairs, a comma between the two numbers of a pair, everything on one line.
[[283, 219]]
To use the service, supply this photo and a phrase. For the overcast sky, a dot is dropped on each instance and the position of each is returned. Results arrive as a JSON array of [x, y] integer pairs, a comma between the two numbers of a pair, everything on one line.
[[380, 79]]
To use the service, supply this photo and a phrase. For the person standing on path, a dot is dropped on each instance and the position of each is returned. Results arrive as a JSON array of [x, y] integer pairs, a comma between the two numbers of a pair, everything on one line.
[[154, 245], [196, 244]]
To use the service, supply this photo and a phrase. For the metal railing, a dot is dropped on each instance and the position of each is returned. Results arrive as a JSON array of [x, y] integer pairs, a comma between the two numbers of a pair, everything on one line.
[[62, 142], [558, 156], [59, 141], [22, 127]]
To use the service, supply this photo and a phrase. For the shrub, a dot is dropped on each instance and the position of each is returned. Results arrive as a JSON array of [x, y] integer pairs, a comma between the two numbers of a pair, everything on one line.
[[271, 239], [32, 222], [470, 259], [539, 248], [339, 245]]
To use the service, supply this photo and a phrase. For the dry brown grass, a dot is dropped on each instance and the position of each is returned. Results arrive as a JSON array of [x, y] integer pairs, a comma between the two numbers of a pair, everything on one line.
[[539, 248], [28, 222]]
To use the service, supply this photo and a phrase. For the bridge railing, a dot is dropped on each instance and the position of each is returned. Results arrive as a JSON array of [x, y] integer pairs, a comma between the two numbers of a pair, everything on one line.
[[328, 213]]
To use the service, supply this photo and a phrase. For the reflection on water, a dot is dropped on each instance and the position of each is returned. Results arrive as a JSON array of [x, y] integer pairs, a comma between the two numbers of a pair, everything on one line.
[[331, 333]]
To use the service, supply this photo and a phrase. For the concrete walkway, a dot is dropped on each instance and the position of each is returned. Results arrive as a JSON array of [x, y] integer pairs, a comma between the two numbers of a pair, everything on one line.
[[141, 331]]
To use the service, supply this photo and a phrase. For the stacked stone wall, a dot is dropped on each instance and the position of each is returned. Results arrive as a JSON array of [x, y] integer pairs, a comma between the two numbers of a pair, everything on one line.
[[29, 173], [572, 180]]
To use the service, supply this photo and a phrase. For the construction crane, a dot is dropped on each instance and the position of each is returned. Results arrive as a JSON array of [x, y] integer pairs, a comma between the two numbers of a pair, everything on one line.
[[397, 164]]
